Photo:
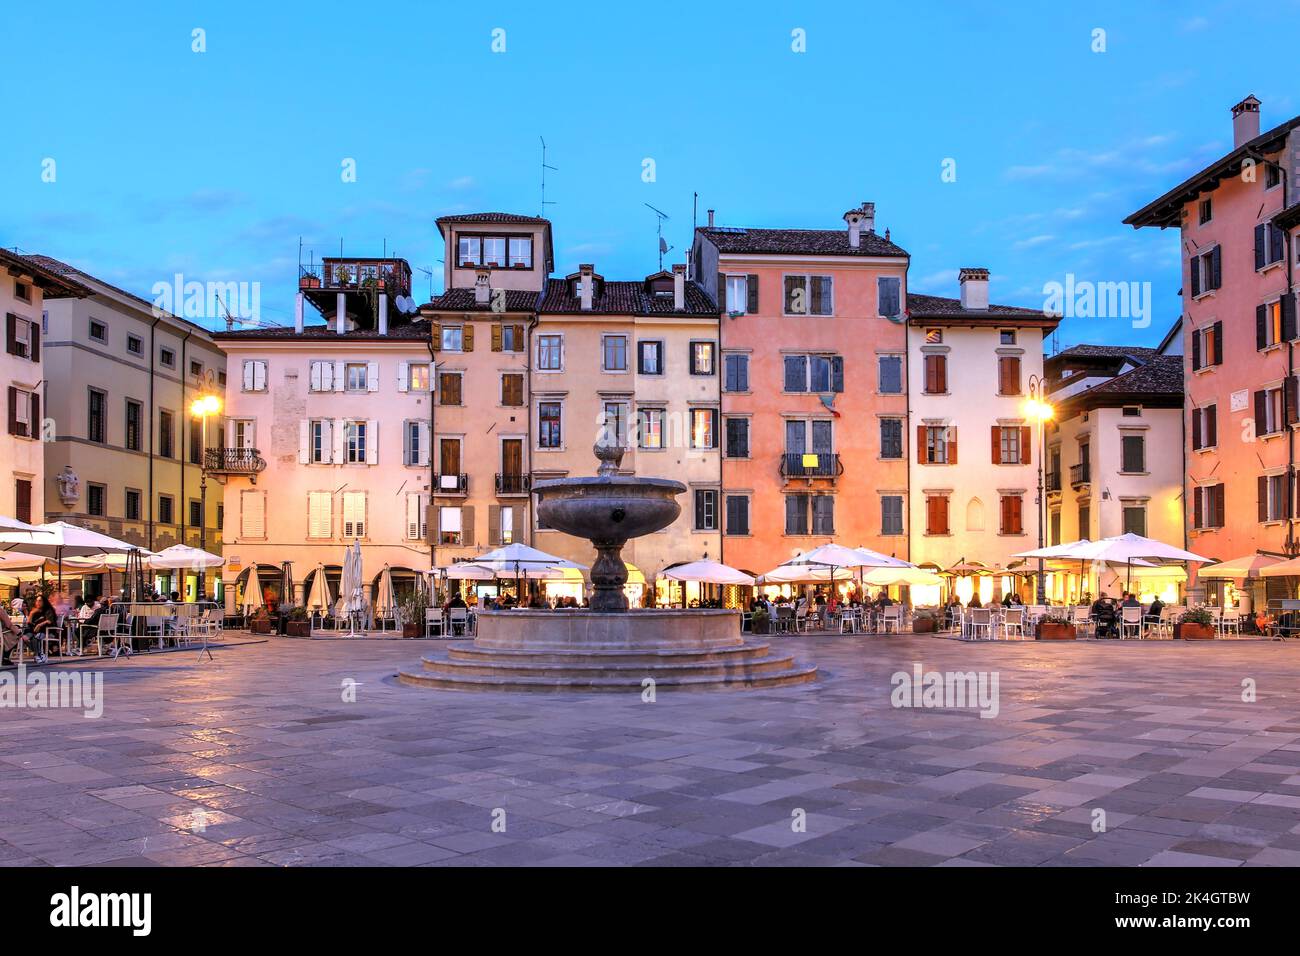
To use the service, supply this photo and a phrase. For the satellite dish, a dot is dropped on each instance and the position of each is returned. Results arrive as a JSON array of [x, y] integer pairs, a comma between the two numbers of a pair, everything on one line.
[[403, 304]]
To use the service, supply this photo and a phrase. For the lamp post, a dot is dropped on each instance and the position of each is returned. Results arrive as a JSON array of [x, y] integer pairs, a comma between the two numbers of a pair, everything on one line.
[[201, 408], [1041, 412]]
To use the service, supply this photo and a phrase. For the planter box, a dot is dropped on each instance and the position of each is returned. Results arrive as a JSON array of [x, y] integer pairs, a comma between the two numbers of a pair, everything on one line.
[[297, 628], [260, 627], [309, 282], [1194, 632], [924, 625], [410, 630], [1056, 632]]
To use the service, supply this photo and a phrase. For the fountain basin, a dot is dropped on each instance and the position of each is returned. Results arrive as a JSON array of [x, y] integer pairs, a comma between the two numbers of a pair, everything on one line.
[[608, 508], [581, 630]]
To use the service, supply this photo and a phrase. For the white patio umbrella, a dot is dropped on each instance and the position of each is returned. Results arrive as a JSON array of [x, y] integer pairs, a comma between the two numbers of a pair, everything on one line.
[[707, 572], [879, 560], [320, 598], [804, 573], [911, 576], [1283, 569], [13, 524], [385, 599], [1249, 566], [466, 571], [182, 557], [60, 540], [519, 558]]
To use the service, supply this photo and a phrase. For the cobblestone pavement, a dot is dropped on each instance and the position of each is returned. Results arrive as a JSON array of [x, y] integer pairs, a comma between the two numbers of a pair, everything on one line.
[[256, 759]]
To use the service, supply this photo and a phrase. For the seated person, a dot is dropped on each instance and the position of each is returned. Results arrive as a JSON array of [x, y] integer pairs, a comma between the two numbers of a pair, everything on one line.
[[10, 635], [1155, 610], [40, 619], [974, 601], [457, 601]]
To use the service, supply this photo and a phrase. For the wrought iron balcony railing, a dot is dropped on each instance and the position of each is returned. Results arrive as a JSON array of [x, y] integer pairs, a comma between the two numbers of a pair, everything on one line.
[[513, 484], [233, 461], [811, 465], [451, 484], [1080, 475]]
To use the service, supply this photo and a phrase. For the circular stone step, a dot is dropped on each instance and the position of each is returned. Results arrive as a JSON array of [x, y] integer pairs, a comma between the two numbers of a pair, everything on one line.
[[560, 685], [593, 668], [468, 651]]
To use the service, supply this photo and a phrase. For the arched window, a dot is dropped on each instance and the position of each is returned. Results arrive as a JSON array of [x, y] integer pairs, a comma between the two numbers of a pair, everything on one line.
[[975, 515]]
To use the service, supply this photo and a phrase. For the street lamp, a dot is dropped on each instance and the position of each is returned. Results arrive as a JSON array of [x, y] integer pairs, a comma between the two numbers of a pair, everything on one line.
[[201, 408], [1040, 411]]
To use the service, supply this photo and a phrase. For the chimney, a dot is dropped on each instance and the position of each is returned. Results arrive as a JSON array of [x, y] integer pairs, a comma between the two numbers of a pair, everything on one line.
[[1245, 121], [482, 288], [710, 218], [297, 314], [869, 217], [383, 313], [586, 284], [341, 313], [974, 289], [679, 287], [855, 217]]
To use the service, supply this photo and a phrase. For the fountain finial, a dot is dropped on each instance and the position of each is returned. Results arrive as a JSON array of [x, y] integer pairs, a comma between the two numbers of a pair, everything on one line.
[[610, 454]]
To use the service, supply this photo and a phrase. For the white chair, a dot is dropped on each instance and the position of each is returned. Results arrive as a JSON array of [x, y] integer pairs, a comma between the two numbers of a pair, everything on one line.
[[981, 619], [1013, 622], [1230, 621], [106, 627], [891, 616], [1081, 618], [459, 620], [433, 620], [848, 621], [1130, 622]]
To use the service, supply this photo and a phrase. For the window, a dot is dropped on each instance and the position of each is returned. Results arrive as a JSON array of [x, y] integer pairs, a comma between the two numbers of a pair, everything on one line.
[[320, 515], [417, 528], [354, 514], [507, 338], [936, 374], [737, 438], [1205, 427], [95, 497], [796, 514], [814, 373], [319, 447], [936, 514], [95, 411], [135, 345], [1272, 175], [196, 369], [891, 438], [469, 250], [890, 374], [809, 295], [449, 392], [1010, 444], [453, 338], [823, 514], [98, 331], [1206, 270], [501, 524], [254, 375], [166, 358], [934, 336], [737, 514], [22, 337], [1271, 415], [1132, 411], [417, 377], [735, 373], [449, 465], [1135, 518], [549, 433], [614, 353], [512, 389], [889, 296], [413, 444], [166, 434], [1207, 507], [1133, 454], [891, 514], [243, 431], [24, 410], [704, 428], [166, 509], [1272, 497], [252, 514], [706, 509], [702, 356], [650, 428], [196, 514], [354, 442], [355, 376], [1008, 375], [449, 526], [1007, 336], [1012, 515], [742, 294], [1275, 322], [132, 509], [1205, 210], [22, 291], [1054, 527], [221, 379], [491, 251], [937, 445], [196, 441], [1085, 520], [494, 251], [550, 353], [650, 358], [1207, 346], [614, 426], [521, 252], [23, 499]]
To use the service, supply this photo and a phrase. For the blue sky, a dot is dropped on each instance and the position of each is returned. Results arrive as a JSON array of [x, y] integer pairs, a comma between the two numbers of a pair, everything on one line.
[[214, 164]]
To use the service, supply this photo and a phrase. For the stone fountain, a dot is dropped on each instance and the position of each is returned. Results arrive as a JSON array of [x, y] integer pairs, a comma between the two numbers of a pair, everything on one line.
[[607, 646]]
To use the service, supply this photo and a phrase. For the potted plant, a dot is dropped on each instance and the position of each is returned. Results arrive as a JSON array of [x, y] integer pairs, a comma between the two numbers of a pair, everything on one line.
[[260, 622], [1054, 627], [760, 622], [925, 620], [297, 623], [309, 282], [1196, 624], [412, 608]]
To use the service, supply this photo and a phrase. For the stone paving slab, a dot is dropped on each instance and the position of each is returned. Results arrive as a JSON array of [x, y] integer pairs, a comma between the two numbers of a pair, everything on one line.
[[256, 758]]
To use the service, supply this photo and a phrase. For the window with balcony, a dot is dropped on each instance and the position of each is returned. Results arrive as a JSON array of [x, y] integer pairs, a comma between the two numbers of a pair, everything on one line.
[[809, 295], [809, 448]]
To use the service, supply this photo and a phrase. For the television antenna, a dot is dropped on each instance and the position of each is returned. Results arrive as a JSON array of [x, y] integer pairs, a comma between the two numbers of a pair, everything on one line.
[[429, 273], [663, 246], [545, 167]]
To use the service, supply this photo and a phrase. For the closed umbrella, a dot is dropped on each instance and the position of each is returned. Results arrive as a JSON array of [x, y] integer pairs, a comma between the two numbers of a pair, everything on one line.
[[385, 600], [252, 591], [320, 599], [353, 596]]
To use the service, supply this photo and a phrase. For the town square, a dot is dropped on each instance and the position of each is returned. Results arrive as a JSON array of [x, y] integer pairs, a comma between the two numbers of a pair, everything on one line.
[[833, 438]]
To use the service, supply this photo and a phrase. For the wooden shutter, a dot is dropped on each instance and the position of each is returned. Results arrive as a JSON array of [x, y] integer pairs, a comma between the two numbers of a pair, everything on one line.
[[435, 332], [315, 377], [494, 525], [1209, 426], [248, 375], [1216, 267], [943, 514], [467, 338], [496, 337], [1290, 397], [1194, 273], [920, 444], [1218, 506], [1261, 413], [1198, 513], [13, 410], [372, 442], [11, 333], [341, 440], [304, 441], [1017, 515], [467, 525], [1026, 446], [952, 444], [340, 376], [372, 376], [1261, 327], [1288, 317], [426, 443], [403, 376], [751, 287], [1216, 334], [34, 342], [1259, 246], [1196, 349], [722, 292], [1198, 423], [996, 431], [1262, 493], [518, 338], [34, 411]]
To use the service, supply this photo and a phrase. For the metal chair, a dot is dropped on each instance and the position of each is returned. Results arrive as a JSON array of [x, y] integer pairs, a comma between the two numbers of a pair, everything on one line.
[[981, 619], [1013, 621], [1130, 621], [1081, 618], [891, 616], [1230, 621], [432, 620], [459, 619]]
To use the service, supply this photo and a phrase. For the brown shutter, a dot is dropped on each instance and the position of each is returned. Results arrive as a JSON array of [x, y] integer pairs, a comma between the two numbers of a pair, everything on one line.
[[1198, 418], [1261, 412], [467, 525], [943, 514], [1196, 349], [494, 524], [952, 444], [751, 287], [430, 523], [519, 338], [35, 331], [1197, 513], [1290, 397], [11, 333], [1210, 426], [34, 428], [722, 292], [941, 373], [1018, 515], [1216, 330], [996, 431], [920, 444], [496, 337], [13, 410], [1218, 506], [1026, 445], [435, 332], [1262, 497], [467, 338]]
